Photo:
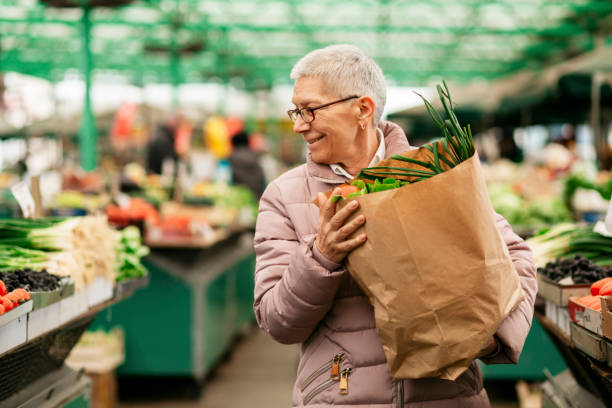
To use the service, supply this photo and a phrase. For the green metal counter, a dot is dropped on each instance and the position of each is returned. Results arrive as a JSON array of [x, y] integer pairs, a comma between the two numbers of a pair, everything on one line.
[[197, 302]]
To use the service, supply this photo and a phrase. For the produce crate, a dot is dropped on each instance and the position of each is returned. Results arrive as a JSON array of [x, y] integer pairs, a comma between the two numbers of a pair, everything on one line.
[[583, 316], [98, 291], [13, 333], [606, 316], [560, 316], [43, 320], [560, 294], [13, 314], [564, 320], [43, 299], [551, 311], [590, 343], [73, 306]]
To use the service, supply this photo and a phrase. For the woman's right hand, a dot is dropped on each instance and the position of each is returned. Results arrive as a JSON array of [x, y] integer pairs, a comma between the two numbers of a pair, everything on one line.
[[333, 234]]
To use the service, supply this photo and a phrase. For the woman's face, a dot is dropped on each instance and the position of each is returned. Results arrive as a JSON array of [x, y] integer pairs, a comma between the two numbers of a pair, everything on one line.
[[332, 136]]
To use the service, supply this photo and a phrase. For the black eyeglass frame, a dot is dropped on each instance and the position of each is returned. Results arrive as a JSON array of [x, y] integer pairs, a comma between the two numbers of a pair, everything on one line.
[[311, 110]]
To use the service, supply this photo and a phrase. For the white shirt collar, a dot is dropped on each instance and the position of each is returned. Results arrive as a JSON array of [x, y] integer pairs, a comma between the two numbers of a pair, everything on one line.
[[378, 156]]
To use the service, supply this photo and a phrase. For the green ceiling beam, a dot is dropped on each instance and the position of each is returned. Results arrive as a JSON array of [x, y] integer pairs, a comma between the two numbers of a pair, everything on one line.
[[566, 31]]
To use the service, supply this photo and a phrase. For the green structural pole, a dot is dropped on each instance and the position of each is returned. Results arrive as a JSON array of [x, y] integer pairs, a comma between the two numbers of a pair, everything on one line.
[[175, 72], [87, 133]]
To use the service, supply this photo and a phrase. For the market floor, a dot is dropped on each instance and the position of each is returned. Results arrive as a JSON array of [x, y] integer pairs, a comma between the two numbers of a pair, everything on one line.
[[259, 373]]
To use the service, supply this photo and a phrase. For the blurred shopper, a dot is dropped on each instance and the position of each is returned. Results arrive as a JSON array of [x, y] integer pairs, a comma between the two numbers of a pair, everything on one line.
[[246, 169], [304, 294], [161, 146]]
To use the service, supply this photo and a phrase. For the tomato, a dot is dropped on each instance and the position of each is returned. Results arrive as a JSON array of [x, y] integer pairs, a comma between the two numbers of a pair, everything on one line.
[[606, 289], [2, 288], [347, 189], [1, 309], [596, 287], [7, 303], [14, 297], [23, 294]]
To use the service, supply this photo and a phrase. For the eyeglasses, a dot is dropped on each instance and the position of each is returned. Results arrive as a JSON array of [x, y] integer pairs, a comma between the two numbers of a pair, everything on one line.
[[308, 115]]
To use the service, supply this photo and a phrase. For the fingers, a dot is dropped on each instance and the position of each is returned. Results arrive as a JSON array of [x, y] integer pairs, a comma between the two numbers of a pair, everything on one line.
[[340, 217], [352, 243], [351, 227], [329, 208]]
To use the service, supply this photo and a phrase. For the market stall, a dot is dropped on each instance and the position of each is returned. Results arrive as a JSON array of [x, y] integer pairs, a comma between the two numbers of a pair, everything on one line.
[[57, 282], [576, 308]]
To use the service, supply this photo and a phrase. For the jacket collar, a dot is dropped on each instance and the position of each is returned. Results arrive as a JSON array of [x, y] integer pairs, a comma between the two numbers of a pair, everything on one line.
[[395, 143]]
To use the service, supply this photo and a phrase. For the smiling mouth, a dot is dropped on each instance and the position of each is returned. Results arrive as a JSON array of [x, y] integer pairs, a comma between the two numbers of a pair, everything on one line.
[[315, 140]]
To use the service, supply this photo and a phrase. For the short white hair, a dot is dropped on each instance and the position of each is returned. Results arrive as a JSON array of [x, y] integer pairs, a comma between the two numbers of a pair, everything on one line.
[[346, 71]]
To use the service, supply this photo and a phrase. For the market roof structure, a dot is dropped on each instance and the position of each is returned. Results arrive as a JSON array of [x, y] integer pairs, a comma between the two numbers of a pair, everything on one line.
[[258, 41]]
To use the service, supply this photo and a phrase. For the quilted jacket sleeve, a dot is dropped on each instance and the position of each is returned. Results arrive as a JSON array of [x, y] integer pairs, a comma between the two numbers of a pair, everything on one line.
[[514, 329], [293, 291]]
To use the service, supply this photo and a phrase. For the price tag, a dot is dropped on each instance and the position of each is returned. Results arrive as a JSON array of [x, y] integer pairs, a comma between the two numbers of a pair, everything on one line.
[[24, 198]]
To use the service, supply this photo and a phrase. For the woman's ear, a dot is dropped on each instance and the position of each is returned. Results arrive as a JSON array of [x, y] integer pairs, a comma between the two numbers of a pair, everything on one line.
[[366, 108]]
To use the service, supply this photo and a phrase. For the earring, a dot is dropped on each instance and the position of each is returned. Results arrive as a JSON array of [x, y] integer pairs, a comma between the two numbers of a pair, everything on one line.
[[362, 126]]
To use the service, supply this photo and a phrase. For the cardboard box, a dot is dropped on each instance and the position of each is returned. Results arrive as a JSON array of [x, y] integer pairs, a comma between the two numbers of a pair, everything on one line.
[[98, 291], [73, 306], [551, 311], [560, 294], [46, 298], [609, 346], [43, 320], [13, 334], [606, 316], [15, 313], [589, 342], [563, 319], [583, 316]]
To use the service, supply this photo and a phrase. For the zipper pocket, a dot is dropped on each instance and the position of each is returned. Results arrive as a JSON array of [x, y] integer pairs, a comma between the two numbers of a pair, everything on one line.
[[400, 394], [332, 364], [318, 389]]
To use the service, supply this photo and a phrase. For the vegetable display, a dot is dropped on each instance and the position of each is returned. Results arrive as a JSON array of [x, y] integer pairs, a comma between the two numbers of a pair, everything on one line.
[[578, 268], [567, 240], [80, 247], [11, 300], [129, 254], [30, 279]]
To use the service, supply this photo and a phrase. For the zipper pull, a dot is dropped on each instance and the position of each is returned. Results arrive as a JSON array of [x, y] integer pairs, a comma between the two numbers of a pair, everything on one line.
[[335, 368], [343, 389]]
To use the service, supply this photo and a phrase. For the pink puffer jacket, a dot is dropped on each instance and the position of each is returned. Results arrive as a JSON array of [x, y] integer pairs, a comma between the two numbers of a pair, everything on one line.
[[300, 297]]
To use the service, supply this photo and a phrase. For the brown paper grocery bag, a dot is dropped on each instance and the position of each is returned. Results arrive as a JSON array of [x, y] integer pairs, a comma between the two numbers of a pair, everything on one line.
[[436, 270]]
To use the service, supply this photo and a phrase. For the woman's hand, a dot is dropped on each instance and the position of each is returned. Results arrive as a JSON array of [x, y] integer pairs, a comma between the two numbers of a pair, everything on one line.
[[333, 233]]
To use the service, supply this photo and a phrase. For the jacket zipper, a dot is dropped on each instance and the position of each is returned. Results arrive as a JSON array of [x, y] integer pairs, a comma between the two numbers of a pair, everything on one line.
[[319, 388], [400, 394], [333, 363], [343, 388]]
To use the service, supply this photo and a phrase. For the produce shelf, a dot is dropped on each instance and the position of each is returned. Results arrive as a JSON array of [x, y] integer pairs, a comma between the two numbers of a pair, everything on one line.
[[37, 342]]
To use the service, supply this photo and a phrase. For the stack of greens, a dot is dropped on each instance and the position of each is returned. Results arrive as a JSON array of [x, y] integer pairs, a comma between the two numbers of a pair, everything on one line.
[[130, 251], [568, 240], [456, 143]]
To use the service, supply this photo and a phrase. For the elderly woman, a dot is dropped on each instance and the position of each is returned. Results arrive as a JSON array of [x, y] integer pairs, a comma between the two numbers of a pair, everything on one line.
[[303, 294]]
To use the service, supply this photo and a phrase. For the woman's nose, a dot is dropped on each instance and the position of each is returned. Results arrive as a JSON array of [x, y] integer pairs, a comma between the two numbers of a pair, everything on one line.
[[299, 125]]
